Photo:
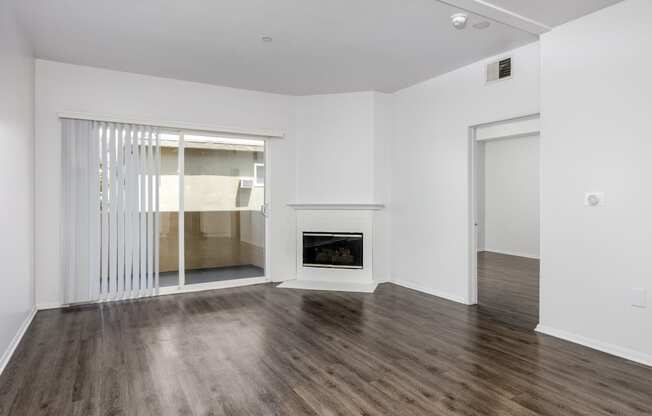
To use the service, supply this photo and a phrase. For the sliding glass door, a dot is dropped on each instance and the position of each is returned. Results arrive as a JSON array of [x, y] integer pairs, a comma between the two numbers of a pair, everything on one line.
[[169, 210], [217, 221]]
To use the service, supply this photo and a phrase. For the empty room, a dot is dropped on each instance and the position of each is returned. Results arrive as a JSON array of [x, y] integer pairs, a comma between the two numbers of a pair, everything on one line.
[[310, 207]]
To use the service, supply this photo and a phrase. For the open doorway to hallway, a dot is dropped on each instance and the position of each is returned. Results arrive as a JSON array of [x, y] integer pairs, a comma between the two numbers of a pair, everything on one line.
[[506, 221]]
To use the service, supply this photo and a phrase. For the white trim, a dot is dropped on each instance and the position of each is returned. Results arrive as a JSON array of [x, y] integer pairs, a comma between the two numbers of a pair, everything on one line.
[[431, 291], [328, 286], [48, 306], [267, 212], [499, 14], [615, 350], [512, 136], [472, 208], [338, 206], [182, 125], [172, 290], [509, 253], [524, 117], [508, 129], [472, 231], [11, 348], [200, 287]]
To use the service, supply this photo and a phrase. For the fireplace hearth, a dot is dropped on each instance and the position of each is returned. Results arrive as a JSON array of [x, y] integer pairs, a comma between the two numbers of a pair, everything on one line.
[[333, 250]]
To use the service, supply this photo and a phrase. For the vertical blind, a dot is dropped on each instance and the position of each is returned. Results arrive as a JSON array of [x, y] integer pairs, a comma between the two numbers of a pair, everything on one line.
[[110, 245]]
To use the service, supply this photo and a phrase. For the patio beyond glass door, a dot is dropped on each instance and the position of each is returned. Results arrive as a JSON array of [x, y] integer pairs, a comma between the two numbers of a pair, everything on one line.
[[223, 203], [212, 210]]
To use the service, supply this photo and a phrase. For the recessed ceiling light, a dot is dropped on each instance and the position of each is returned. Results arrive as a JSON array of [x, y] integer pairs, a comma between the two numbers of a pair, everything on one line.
[[267, 39], [482, 25], [459, 20]]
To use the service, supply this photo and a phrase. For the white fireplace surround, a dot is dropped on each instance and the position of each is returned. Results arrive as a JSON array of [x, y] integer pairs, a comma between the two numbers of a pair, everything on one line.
[[334, 218]]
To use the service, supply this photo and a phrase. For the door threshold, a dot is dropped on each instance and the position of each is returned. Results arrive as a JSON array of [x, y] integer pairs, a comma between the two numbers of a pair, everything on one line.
[[222, 284]]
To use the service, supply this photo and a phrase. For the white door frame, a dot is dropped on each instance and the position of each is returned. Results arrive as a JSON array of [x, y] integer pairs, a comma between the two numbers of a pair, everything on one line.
[[515, 127]]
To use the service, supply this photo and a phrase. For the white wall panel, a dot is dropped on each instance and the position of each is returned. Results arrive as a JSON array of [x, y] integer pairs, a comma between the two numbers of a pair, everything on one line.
[[596, 107], [16, 179]]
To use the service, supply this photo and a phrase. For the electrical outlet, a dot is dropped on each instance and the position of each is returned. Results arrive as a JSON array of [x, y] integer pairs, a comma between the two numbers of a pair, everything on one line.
[[639, 298]]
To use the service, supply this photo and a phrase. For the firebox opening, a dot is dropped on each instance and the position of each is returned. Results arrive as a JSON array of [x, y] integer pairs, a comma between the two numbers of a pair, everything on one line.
[[332, 250]]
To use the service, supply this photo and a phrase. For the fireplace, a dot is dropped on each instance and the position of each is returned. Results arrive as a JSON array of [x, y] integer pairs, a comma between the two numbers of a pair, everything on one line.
[[333, 250]]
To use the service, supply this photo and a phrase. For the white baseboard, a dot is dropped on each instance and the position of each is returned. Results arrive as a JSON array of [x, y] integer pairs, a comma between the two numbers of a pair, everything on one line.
[[46, 306], [430, 291], [612, 349], [284, 279], [17, 338], [172, 290], [510, 253]]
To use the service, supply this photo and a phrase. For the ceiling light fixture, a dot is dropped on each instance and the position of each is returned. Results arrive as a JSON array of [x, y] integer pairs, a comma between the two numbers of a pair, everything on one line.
[[459, 20], [267, 39]]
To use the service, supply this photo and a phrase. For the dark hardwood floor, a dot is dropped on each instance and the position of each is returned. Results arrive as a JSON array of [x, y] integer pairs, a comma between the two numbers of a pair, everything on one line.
[[259, 350], [508, 288]]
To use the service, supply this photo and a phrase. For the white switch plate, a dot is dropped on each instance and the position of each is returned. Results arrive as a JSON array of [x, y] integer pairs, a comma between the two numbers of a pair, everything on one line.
[[594, 199], [639, 298]]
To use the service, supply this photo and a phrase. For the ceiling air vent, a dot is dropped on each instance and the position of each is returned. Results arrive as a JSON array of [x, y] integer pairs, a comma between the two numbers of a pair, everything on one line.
[[499, 70]]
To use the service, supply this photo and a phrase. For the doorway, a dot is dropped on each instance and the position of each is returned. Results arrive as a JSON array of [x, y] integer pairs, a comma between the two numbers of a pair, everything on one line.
[[213, 215], [505, 220]]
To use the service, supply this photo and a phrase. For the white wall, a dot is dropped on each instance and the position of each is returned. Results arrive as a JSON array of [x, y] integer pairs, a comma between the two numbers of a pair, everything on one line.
[[335, 139], [63, 87], [510, 215], [16, 179], [430, 189], [383, 136], [597, 136]]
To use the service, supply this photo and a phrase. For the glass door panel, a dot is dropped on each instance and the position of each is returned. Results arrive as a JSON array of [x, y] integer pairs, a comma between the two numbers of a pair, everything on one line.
[[169, 211], [223, 200]]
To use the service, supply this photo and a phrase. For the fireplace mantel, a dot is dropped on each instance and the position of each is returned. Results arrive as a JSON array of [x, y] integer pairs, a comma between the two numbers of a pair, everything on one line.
[[338, 206]]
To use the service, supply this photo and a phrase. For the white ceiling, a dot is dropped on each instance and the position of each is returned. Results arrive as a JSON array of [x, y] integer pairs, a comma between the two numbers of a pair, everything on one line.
[[319, 46]]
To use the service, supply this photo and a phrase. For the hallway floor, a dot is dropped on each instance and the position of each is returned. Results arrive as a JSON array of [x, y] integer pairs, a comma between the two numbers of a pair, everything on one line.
[[508, 288]]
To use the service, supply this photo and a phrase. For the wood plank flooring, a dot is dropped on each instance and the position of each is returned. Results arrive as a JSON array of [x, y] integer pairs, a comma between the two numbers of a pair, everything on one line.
[[260, 350], [508, 288]]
